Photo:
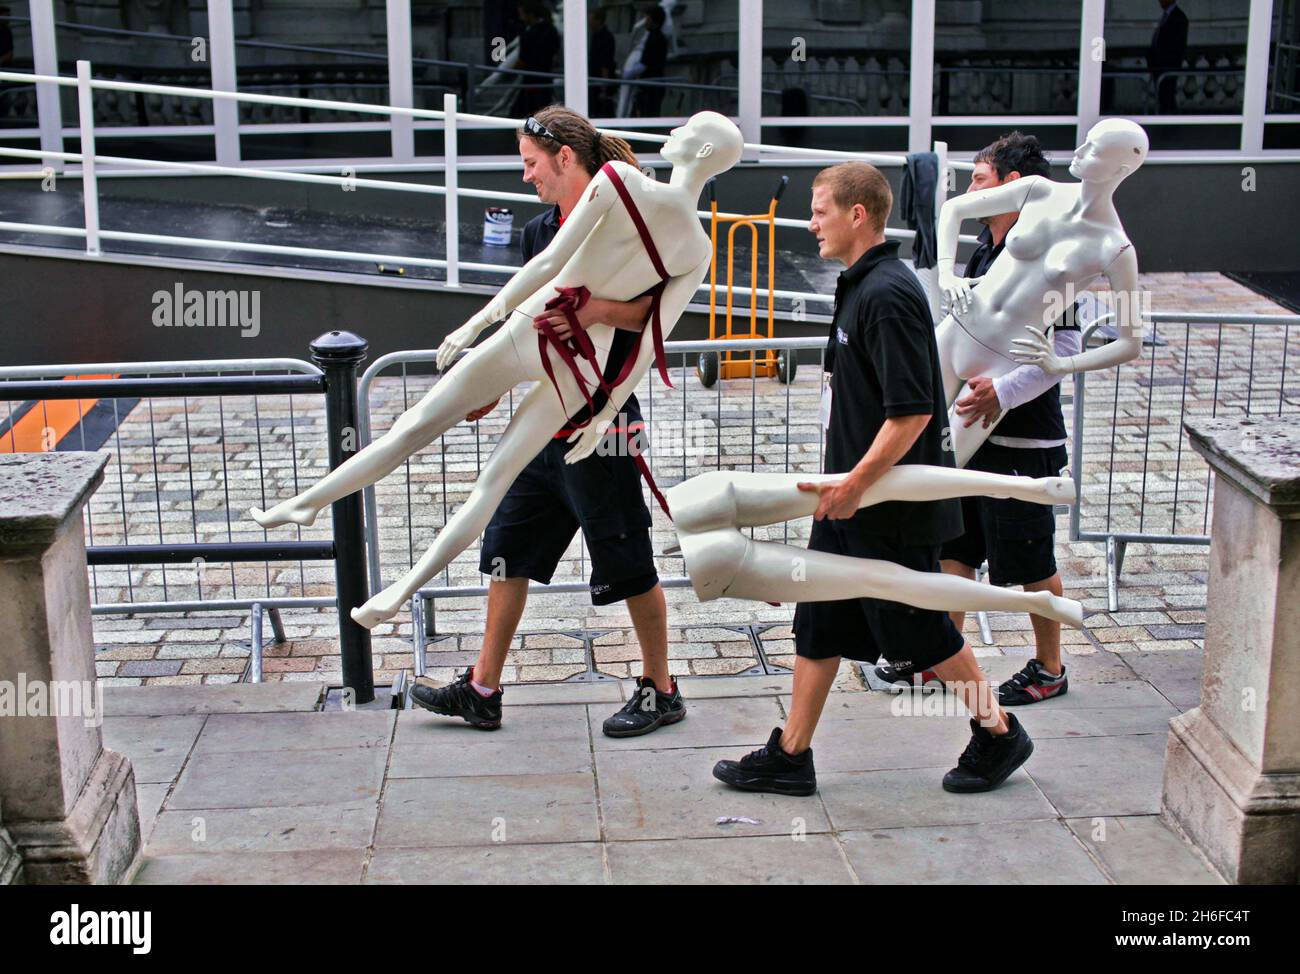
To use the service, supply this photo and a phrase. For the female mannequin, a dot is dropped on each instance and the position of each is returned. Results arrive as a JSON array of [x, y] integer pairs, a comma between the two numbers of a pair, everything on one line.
[[709, 511], [1067, 236], [599, 248]]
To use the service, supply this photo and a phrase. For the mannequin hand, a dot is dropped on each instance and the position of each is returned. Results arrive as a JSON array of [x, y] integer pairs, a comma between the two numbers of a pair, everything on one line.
[[589, 437], [1038, 350], [455, 343], [982, 403], [838, 500], [956, 291]]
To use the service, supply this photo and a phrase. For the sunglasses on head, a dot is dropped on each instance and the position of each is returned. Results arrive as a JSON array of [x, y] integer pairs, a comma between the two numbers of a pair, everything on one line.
[[535, 128]]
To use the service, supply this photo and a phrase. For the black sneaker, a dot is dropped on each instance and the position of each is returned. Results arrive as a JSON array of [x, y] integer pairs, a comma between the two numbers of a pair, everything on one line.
[[907, 677], [459, 699], [770, 769], [1031, 685], [647, 710], [988, 760]]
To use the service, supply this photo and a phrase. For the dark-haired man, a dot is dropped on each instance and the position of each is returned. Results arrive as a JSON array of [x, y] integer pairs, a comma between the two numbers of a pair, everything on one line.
[[886, 407], [1017, 538]]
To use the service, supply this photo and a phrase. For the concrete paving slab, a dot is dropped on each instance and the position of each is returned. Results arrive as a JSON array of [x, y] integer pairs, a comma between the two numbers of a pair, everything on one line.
[[148, 802], [317, 867], [569, 863], [1044, 724], [460, 753], [295, 732], [551, 722], [250, 779], [765, 859], [743, 722], [596, 691], [889, 743], [1142, 849], [708, 687], [1125, 693], [234, 698], [422, 812], [156, 746], [281, 829], [981, 854], [1085, 776], [668, 794], [915, 796], [1176, 675]]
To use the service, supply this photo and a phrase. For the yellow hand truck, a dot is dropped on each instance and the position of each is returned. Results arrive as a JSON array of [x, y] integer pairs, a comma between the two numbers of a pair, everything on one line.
[[733, 364]]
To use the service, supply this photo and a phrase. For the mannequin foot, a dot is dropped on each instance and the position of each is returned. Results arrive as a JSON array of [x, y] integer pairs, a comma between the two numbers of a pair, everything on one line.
[[1060, 490], [379, 609], [1067, 612], [286, 512]]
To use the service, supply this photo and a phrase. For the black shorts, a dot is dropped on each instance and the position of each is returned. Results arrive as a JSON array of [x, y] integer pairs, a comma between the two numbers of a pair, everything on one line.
[[537, 519], [867, 629], [1017, 538]]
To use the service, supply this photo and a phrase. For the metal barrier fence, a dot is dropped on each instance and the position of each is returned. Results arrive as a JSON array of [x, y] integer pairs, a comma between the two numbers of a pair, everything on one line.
[[1155, 491], [170, 392]]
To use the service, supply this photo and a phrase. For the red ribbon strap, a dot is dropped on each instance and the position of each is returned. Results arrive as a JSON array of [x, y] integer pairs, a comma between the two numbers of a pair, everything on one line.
[[570, 300]]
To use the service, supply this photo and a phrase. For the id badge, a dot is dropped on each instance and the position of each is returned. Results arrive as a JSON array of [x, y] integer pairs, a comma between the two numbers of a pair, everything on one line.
[[826, 406]]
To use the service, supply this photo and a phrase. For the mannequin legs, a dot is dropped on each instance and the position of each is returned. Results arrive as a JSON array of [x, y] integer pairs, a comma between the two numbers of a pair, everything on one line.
[[536, 419], [782, 573], [485, 372], [769, 498]]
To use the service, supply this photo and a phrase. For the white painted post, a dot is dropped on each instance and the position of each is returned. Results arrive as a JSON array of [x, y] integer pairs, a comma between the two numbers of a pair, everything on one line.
[[89, 185], [940, 197], [575, 55], [920, 101], [749, 74], [45, 60], [401, 83], [1255, 94], [451, 181], [221, 51], [1092, 54]]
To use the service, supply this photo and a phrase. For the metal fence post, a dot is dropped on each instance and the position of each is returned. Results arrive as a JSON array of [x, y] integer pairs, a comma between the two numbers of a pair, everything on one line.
[[339, 355], [89, 184], [451, 182]]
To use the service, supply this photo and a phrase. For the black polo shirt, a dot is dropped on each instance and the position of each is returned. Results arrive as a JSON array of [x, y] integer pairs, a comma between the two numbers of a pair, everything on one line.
[[536, 237], [886, 364], [1040, 418]]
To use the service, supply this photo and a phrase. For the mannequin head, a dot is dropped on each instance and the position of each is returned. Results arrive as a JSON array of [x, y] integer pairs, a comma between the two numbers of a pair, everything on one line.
[[708, 144], [1113, 151]]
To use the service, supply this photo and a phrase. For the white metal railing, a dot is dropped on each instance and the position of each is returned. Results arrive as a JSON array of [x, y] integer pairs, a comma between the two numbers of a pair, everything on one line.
[[451, 121]]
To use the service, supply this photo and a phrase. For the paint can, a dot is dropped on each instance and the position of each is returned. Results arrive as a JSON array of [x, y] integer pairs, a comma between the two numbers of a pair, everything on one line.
[[498, 224]]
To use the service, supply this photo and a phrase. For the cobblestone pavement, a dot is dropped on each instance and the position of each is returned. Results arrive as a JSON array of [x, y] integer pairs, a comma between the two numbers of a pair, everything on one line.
[[179, 466], [248, 784]]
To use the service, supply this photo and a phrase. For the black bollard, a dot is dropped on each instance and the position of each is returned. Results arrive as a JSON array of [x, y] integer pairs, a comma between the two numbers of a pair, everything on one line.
[[339, 355]]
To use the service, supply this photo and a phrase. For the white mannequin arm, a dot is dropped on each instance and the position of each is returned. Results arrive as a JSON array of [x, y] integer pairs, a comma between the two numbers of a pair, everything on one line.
[[677, 295], [1008, 198], [534, 275], [1123, 276]]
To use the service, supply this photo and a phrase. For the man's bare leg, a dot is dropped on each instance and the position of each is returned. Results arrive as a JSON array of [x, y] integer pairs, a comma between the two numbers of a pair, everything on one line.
[[1047, 632], [506, 600], [475, 695], [964, 677], [813, 679], [649, 612]]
